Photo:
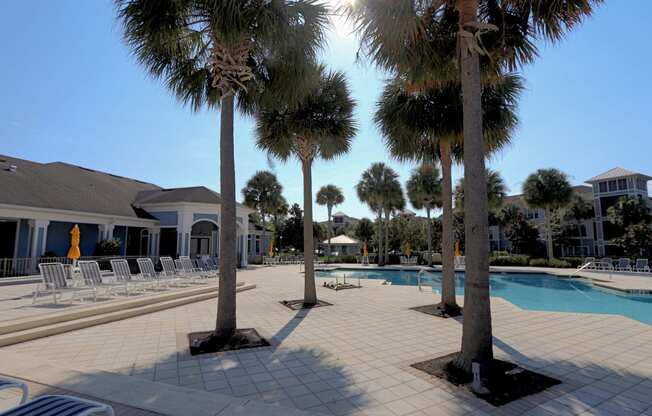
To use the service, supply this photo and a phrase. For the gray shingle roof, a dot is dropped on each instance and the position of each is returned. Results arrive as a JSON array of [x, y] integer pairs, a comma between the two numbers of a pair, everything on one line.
[[197, 194], [615, 173], [68, 187]]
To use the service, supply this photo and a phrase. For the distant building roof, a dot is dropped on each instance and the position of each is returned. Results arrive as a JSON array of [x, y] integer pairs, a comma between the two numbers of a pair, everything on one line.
[[64, 186], [616, 173], [197, 194], [342, 239], [340, 214], [584, 191], [407, 212]]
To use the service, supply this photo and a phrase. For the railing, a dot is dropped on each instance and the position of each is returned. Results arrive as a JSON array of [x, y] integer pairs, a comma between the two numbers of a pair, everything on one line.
[[10, 267], [596, 266]]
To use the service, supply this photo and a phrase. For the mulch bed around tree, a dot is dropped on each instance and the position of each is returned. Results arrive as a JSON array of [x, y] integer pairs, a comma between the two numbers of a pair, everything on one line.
[[298, 304], [202, 343], [505, 381], [438, 310]]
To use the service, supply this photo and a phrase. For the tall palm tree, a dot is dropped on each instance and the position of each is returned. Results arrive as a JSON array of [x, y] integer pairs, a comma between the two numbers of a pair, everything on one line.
[[209, 52], [427, 126], [330, 195], [413, 38], [262, 193], [320, 125], [371, 191], [393, 200], [549, 190], [424, 192]]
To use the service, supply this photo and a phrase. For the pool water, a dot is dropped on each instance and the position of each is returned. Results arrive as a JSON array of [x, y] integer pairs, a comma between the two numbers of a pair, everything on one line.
[[540, 292]]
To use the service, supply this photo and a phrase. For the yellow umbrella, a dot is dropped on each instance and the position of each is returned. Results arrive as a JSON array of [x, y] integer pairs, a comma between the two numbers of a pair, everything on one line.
[[75, 236], [365, 252], [457, 249], [408, 250], [271, 248]]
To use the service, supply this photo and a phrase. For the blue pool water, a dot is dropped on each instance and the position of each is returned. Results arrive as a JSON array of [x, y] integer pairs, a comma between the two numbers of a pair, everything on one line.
[[529, 291]]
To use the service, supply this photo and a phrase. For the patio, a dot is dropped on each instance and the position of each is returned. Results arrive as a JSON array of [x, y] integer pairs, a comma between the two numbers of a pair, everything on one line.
[[353, 358]]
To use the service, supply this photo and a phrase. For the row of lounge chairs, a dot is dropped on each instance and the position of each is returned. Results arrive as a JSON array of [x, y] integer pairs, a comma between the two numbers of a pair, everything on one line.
[[623, 264], [408, 261], [52, 405], [175, 273], [271, 261]]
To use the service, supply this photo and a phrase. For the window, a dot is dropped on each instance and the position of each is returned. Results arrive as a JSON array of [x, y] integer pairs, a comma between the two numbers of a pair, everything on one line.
[[583, 230], [257, 244], [603, 186], [338, 220], [622, 184], [250, 244], [613, 186]]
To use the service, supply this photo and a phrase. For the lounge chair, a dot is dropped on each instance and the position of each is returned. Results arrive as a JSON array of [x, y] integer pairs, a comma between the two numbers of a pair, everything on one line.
[[122, 273], [6, 383], [147, 271], [55, 284], [642, 266], [176, 275], [624, 265], [92, 276], [606, 263], [459, 262], [195, 267], [59, 405], [212, 264], [590, 261]]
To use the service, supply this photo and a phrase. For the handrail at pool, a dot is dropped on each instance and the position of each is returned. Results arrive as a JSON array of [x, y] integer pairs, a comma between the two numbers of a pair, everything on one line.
[[593, 265]]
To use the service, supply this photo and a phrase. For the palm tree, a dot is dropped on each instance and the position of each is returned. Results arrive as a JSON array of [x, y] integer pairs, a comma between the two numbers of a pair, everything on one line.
[[579, 211], [424, 192], [547, 189], [427, 126], [329, 195], [262, 193], [393, 200], [320, 125], [209, 52], [496, 192], [371, 191], [364, 230], [413, 38]]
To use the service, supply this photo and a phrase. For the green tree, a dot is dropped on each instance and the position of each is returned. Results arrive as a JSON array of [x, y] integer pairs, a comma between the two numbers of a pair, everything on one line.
[[496, 191], [522, 235], [424, 192], [320, 125], [578, 211], [292, 232], [629, 211], [364, 230], [393, 201], [428, 126], [263, 193], [636, 240], [417, 39], [330, 196], [371, 191], [207, 53], [279, 213], [547, 189]]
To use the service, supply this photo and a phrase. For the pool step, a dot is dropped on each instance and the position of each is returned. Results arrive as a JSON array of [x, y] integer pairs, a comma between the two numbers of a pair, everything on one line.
[[28, 329]]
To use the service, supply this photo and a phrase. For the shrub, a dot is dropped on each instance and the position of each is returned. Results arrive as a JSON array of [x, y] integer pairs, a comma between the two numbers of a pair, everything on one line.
[[108, 248], [516, 260], [562, 264], [573, 261]]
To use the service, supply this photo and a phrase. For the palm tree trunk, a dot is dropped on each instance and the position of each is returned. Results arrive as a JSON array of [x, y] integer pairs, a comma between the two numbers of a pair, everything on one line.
[[226, 319], [262, 244], [309, 289], [381, 257], [447, 254], [387, 237], [330, 209], [549, 246], [476, 331], [429, 236]]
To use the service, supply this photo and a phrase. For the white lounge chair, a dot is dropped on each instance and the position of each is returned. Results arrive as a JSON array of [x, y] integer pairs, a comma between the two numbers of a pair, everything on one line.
[[606, 263], [188, 266], [459, 262], [624, 265], [55, 284], [7, 383], [177, 275], [147, 271], [590, 263], [122, 273], [642, 266], [92, 275], [59, 405]]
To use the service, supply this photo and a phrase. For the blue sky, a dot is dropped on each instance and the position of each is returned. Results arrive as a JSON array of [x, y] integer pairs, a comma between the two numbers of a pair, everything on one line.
[[71, 92]]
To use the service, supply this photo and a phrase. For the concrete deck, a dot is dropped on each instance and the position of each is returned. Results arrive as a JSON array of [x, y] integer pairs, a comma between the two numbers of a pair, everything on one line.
[[353, 358]]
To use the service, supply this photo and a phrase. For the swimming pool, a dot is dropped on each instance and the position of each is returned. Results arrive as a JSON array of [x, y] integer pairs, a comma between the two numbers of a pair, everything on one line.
[[540, 292]]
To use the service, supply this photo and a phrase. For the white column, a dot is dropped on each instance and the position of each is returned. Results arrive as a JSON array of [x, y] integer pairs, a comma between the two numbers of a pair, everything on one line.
[[39, 241]]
